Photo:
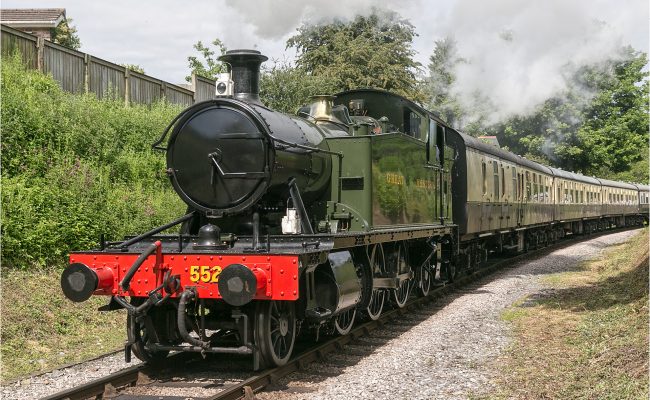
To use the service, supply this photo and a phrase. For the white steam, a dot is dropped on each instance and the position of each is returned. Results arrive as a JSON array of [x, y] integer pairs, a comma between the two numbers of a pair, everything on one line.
[[519, 53], [274, 19]]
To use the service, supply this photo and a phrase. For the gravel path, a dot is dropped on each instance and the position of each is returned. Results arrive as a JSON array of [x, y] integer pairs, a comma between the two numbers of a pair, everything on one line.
[[66, 378], [438, 352], [444, 355]]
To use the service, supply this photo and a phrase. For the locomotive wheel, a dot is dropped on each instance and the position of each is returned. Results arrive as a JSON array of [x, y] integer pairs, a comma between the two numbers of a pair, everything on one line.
[[344, 321], [376, 305], [275, 330], [378, 296], [139, 336], [425, 281], [401, 294]]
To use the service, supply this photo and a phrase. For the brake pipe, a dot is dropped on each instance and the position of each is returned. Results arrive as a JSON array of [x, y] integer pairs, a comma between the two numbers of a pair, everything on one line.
[[187, 296]]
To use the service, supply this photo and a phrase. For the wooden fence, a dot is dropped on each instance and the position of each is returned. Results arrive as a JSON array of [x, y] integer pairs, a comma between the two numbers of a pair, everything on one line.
[[79, 72]]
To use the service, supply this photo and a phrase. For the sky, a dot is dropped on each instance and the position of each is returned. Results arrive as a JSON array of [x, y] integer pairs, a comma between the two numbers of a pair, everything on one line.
[[518, 51]]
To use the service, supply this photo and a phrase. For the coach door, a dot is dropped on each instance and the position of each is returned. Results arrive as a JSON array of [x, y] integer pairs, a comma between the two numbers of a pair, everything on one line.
[[523, 198]]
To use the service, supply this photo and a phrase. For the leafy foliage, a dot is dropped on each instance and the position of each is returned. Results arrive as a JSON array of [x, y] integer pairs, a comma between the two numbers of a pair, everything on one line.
[[439, 91], [74, 167], [286, 88], [206, 64], [65, 34], [438, 85], [369, 51], [134, 67], [616, 123]]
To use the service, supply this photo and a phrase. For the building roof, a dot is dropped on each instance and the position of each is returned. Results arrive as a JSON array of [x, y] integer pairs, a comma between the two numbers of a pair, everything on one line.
[[32, 17]]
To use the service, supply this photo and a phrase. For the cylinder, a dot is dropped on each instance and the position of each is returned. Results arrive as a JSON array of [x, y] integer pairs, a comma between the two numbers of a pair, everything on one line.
[[338, 287]]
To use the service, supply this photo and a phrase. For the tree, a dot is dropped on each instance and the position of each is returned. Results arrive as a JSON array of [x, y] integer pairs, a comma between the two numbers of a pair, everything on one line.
[[438, 85], [470, 115], [206, 64], [369, 51], [616, 123], [548, 135], [286, 88], [65, 34]]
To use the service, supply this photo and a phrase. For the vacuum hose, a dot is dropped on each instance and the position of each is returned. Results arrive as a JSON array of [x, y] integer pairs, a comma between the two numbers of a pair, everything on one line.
[[187, 296]]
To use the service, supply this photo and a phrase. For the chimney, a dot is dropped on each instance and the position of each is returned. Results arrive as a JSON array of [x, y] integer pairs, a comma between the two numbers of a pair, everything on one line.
[[244, 68]]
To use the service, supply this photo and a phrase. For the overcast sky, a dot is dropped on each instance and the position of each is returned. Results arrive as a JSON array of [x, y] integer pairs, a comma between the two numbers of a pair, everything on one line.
[[518, 53], [158, 35]]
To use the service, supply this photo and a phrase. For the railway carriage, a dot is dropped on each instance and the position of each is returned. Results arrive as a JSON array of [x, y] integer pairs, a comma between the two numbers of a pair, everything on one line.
[[309, 222], [577, 201], [619, 199], [644, 200]]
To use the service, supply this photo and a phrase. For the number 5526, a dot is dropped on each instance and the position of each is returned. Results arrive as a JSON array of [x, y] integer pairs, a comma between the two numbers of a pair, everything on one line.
[[204, 273]]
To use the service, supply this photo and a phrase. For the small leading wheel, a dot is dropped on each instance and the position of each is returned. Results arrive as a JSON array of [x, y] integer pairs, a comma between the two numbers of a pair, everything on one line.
[[344, 321], [275, 330], [378, 296], [403, 290], [140, 337]]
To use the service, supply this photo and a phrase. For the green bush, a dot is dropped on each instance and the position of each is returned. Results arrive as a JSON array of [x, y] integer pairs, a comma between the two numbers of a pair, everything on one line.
[[74, 167]]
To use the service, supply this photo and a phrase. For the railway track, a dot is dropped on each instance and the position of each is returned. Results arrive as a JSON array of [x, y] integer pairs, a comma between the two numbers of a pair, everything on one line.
[[240, 384]]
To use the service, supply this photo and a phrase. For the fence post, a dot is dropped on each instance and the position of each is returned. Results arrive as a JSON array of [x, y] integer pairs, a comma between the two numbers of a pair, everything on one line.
[[87, 61], [40, 47], [127, 86], [194, 87], [163, 90]]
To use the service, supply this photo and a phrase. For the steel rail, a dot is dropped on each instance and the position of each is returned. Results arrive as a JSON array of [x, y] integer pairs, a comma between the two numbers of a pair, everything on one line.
[[126, 377], [257, 383], [137, 374]]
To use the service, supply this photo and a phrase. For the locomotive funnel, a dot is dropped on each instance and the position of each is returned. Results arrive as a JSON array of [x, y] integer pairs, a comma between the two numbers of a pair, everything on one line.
[[245, 72]]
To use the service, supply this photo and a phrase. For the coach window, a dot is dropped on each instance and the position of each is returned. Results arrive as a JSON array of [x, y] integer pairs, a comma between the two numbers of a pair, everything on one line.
[[495, 170], [433, 155], [528, 187], [411, 123], [533, 188], [514, 184]]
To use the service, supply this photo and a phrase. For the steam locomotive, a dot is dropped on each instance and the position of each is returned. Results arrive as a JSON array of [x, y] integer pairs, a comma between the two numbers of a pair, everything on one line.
[[311, 222]]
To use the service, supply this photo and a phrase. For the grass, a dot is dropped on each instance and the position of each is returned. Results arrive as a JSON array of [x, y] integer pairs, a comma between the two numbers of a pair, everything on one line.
[[41, 329], [588, 338]]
